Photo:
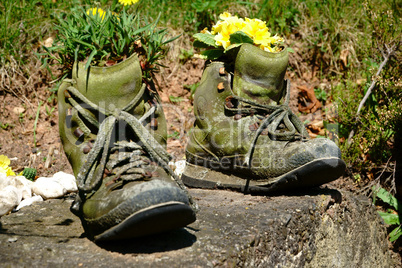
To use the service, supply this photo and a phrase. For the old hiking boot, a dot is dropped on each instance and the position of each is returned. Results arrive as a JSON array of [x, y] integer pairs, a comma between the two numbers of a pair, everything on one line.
[[244, 139], [114, 134]]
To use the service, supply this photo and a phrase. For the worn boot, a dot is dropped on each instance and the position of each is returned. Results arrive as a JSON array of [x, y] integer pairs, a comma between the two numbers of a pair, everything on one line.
[[114, 135], [245, 138]]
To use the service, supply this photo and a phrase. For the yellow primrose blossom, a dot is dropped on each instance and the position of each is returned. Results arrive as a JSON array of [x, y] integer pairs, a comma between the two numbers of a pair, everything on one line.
[[258, 31], [222, 40], [223, 36], [228, 23], [205, 31], [96, 12], [225, 15], [255, 28], [128, 2], [4, 166]]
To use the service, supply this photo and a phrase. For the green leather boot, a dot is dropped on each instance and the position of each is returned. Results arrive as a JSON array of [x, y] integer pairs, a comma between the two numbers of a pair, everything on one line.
[[245, 138], [114, 135]]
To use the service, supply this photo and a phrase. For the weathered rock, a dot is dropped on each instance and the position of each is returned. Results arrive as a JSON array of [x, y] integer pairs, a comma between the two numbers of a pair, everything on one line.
[[48, 188], [66, 180], [10, 197], [29, 201], [322, 228], [178, 166], [19, 182]]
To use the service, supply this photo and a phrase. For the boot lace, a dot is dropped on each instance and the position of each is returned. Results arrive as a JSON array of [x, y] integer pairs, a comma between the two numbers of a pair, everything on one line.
[[273, 118], [125, 158]]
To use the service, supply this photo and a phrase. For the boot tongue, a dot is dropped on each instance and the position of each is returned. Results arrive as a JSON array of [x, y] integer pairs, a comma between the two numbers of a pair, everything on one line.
[[117, 84], [259, 75]]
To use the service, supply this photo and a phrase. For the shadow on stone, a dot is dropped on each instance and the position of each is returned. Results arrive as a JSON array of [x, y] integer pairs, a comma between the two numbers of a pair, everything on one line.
[[323, 190], [163, 242], [66, 222]]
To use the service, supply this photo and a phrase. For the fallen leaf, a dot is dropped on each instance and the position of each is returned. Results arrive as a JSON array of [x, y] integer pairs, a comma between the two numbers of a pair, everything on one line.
[[308, 95], [18, 110], [344, 56]]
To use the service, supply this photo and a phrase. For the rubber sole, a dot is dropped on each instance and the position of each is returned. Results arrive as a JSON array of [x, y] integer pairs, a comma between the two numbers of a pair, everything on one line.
[[152, 220], [315, 173]]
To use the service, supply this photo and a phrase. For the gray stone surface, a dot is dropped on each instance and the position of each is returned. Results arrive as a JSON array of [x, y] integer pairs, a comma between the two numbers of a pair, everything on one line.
[[321, 228]]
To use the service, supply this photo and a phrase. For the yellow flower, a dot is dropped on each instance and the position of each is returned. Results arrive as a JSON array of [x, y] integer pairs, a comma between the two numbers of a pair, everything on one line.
[[4, 166], [222, 40], [255, 28], [258, 31], [96, 12], [225, 15], [128, 2], [228, 23], [205, 31], [100, 13]]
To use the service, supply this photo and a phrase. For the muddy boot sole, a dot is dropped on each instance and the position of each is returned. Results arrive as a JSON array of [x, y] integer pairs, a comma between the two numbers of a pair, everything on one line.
[[152, 220], [314, 173]]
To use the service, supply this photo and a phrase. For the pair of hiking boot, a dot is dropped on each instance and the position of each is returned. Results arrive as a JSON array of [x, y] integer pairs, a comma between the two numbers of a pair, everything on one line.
[[114, 134]]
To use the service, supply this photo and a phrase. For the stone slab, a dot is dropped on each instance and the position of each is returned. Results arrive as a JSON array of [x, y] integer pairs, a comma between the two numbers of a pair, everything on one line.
[[319, 228]]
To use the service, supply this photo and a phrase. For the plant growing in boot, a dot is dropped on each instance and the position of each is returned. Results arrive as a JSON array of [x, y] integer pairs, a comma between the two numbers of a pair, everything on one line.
[[231, 32], [113, 129], [104, 37], [245, 136]]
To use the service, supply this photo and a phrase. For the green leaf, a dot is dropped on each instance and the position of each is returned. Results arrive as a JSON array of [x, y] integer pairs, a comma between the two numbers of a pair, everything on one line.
[[240, 37], [175, 99], [199, 44], [385, 196], [232, 46], [93, 53], [170, 40], [395, 234], [290, 50], [212, 54], [389, 218], [83, 43], [206, 39]]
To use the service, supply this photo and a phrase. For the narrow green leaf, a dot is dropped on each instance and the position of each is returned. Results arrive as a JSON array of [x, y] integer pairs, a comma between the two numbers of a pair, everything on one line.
[[240, 37], [76, 53], [93, 53], [395, 234], [83, 43], [206, 38], [170, 40]]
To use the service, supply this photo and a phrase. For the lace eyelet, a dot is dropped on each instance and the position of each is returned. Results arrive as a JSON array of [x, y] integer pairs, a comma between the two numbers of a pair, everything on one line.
[[221, 87], [154, 124], [78, 133], [237, 116]]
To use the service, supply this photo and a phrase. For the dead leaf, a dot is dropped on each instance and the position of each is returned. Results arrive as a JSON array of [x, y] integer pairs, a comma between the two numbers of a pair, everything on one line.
[[311, 103], [344, 57], [48, 42], [18, 110], [361, 81]]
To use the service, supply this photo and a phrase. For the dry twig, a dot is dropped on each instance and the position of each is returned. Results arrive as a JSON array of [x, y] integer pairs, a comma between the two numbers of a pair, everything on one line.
[[386, 56]]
